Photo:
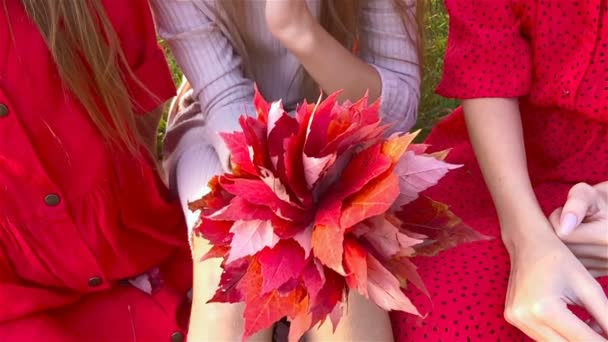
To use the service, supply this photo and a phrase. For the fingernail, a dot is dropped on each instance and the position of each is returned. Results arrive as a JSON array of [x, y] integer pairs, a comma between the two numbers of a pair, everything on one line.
[[569, 222]]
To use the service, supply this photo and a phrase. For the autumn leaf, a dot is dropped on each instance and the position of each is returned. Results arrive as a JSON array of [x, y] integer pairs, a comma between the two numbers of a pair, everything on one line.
[[315, 208], [374, 199], [336, 315], [294, 168], [256, 136], [327, 246], [304, 239], [240, 209], [281, 263], [250, 237], [314, 167], [386, 238], [263, 311], [328, 297], [285, 127], [216, 232], [275, 113], [396, 146], [217, 251], [313, 277], [262, 107], [435, 220], [215, 199], [384, 289], [239, 152], [228, 290], [302, 321], [355, 262], [316, 137], [256, 191], [362, 169], [406, 271], [250, 284], [418, 173]]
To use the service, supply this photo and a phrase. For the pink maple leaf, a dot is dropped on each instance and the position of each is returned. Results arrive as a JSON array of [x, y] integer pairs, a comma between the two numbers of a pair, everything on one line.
[[250, 237]]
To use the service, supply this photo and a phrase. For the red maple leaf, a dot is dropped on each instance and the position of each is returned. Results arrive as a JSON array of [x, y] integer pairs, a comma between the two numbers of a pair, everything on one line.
[[256, 136], [332, 292], [355, 262], [215, 200], [240, 209], [250, 237], [313, 277], [228, 291], [442, 228], [217, 232], [263, 310], [217, 251], [313, 210], [280, 264], [418, 173], [374, 199], [384, 288], [240, 159], [256, 191], [327, 246], [316, 138]]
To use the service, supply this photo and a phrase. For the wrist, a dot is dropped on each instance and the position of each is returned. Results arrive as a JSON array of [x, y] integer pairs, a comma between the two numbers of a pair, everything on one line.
[[520, 231]]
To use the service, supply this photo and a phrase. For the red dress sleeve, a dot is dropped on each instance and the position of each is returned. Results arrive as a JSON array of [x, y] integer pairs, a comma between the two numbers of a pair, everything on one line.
[[136, 30], [486, 56]]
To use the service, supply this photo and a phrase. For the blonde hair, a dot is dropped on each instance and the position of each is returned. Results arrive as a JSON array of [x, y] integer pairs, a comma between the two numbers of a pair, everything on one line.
[[91, 63], [339, 17]]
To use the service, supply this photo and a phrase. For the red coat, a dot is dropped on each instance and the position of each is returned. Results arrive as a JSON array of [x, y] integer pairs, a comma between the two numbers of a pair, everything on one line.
[[76, 218]]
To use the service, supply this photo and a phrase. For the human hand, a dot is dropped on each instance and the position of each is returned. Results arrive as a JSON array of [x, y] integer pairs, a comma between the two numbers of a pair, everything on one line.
[[545, 278], [582, 224]]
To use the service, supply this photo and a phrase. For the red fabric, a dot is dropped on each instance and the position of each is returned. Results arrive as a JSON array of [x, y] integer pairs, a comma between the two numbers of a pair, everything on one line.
[[560, 49], [115, 218]]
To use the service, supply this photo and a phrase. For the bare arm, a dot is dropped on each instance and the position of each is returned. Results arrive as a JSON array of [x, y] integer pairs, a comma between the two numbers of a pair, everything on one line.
[[325, 59], [388, 66], [495, 131], [545, 275]]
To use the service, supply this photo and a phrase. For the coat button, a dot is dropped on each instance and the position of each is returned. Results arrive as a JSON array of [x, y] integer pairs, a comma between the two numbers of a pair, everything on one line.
[[177, 337], [3, 110], [52, 200], [95, 281]]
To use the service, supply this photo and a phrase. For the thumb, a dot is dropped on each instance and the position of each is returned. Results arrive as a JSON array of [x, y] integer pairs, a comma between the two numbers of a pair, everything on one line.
[[580, 203]]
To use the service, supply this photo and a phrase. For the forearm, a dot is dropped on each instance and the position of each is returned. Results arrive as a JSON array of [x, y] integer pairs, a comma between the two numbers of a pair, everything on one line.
[[329, 63], [496, 135]]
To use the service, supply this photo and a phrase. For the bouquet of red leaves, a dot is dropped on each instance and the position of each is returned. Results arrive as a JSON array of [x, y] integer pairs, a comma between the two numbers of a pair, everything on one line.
[[319, 205]]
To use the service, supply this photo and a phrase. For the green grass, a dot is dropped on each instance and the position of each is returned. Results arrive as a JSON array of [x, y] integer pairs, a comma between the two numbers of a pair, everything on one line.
[[432, 106]]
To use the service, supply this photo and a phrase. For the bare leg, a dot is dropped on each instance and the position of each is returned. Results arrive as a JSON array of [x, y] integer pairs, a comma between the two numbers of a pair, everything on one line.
[[364, 322], [215, 322]]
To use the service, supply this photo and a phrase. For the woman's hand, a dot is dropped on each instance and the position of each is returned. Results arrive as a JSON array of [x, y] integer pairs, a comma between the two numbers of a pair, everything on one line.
[[288, 19], [582, 224], [545, 278]]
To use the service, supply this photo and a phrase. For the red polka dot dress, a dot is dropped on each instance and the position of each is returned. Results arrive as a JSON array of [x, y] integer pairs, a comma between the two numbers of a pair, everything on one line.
[[553, 55]]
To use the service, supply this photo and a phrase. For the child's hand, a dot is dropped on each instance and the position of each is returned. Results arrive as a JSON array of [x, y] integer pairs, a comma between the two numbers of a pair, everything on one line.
[[582, 223]]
